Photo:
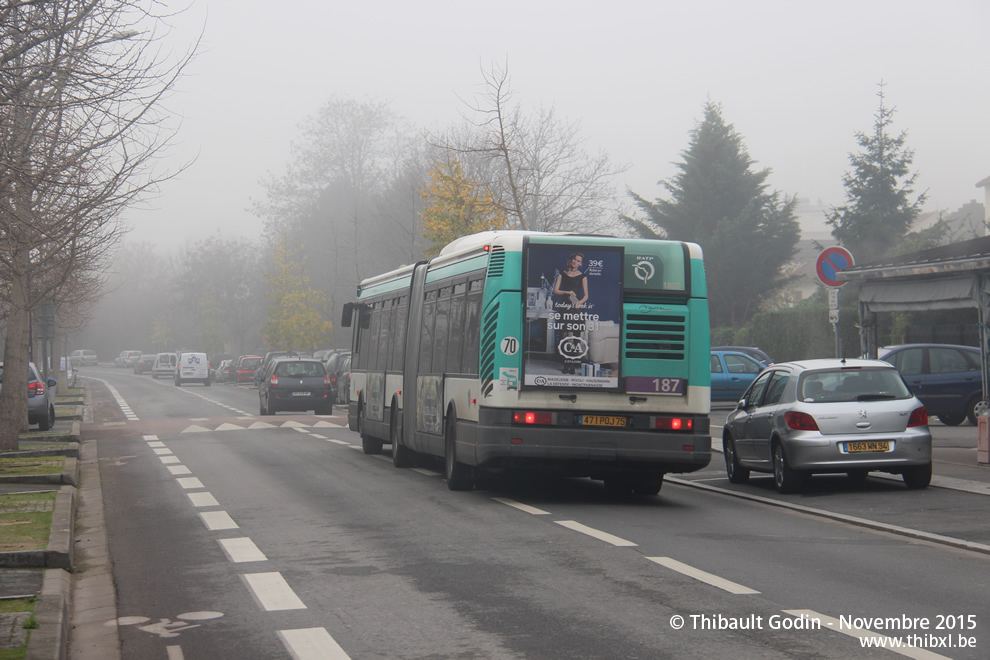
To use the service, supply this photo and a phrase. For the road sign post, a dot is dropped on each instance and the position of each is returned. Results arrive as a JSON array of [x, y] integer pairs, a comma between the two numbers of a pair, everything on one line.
[[830, 262]]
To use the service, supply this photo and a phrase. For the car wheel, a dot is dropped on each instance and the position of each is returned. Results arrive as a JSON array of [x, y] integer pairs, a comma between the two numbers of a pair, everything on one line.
[[262, 408], [971, 409], [208, 382], [951, 420], [369, 444], [649, 483], [402, 456], [918, 476], [786, 478], [857, 476], [48, 421], [458, 475], [737, 473]]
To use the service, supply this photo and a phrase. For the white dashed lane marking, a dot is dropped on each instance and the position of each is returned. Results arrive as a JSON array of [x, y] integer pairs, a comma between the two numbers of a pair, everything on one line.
[[272, 592], [312, 644], [241, 550], [190, 482], [203, 499], [522, 507], [702, 576], [595, 533], [215, 520]]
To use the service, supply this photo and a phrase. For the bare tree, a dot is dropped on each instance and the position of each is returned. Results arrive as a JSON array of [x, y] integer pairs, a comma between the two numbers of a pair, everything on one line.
[[80, 128], [538, 171]]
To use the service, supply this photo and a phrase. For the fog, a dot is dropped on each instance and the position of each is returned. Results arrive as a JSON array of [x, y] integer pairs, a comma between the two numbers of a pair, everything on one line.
[[796, 81]]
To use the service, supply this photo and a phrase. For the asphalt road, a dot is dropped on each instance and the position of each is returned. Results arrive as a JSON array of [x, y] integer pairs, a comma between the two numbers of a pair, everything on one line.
[[283, 541]]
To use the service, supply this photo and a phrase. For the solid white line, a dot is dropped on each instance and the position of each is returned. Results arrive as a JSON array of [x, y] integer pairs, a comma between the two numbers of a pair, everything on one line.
[[860, 633], [841, 517], [174, 653], [203, 499], [272, 592], [340, 442], [595, 533], [190, 482], [522, 507], [387, 459], [356, 447], [701, 575], [428, 473], [312, 644], [215, 520], [241, 550], [179, 469]]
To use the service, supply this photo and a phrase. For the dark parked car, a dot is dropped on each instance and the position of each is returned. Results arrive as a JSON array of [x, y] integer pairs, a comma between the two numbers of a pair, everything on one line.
[[41, 398], [830, 415], [732, 372], [333, 366], [144, 364], [757, 354], [295, 384], [945, 377]]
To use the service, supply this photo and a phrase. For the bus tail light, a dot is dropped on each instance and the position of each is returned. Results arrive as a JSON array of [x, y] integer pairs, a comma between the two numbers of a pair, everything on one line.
[[673, 423], [532, 417]]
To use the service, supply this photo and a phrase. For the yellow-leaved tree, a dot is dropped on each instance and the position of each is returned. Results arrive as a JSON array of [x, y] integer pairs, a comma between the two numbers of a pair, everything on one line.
[[296, 313], [455, 207]]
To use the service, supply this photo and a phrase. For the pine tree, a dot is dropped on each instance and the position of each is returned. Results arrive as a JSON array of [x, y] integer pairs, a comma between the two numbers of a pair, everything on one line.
[[718, 201], [878, 212]]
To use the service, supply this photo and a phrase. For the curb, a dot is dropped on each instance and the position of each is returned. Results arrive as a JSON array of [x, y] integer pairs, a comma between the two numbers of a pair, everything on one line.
[[60, 551], [50, 640]]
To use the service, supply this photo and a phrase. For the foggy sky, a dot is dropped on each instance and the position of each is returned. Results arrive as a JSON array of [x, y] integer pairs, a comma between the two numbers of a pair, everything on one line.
[[796, 79]]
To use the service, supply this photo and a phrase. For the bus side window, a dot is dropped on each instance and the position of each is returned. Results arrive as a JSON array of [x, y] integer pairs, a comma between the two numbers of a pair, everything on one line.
[[384, 342], [440, 335], [399, 336], [376, 316], [454, 365], [472, 336], [426, 343]]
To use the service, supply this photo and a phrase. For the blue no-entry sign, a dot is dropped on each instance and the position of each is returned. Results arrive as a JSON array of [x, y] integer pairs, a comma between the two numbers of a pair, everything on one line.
[[830, 262]]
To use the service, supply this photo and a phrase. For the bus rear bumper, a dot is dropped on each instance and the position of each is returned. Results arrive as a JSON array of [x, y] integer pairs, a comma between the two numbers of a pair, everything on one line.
[[583, 451]]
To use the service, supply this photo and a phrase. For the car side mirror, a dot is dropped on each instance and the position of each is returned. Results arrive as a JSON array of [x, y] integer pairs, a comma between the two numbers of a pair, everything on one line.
[[52, 382], [741, 405]]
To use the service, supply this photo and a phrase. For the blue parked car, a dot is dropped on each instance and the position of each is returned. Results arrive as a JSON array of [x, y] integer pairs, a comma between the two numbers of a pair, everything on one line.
[[945, 377], [757, 354], [732, 372]]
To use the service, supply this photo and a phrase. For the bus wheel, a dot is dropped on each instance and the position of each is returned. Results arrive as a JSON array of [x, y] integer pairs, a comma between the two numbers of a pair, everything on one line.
[[369, 444], [402, 456], [458, 475]]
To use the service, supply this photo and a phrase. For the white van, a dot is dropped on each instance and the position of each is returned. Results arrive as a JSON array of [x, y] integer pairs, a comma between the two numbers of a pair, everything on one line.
[[193, 368], [165, 364]]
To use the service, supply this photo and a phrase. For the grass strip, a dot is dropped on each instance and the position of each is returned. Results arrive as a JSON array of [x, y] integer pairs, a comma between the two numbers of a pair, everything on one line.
[[28, 529], [31, 466]]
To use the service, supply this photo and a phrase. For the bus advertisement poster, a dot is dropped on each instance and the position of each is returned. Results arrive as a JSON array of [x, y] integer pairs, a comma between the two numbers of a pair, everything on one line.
[[573, 314]]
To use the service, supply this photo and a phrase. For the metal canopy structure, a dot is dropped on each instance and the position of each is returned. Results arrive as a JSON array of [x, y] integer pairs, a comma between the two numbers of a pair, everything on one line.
[[947, 277]]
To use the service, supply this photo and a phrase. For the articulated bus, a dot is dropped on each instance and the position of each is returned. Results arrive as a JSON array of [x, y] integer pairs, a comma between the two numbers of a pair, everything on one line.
[[512, 350]]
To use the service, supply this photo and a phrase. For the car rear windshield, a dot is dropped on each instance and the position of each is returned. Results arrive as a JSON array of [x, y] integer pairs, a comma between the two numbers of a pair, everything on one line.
[[250, 364], [300, 369], [852, 385]]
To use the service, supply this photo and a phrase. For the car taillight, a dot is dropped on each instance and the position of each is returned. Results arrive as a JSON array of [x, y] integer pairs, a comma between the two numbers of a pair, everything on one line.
[[326, 380], [531, 417], [37, 387], [273, 380], [800, 421], [918, 418], [333, 379]]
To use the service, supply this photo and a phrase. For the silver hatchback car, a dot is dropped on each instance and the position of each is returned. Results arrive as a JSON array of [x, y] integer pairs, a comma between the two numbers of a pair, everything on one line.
[[830, 415]]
